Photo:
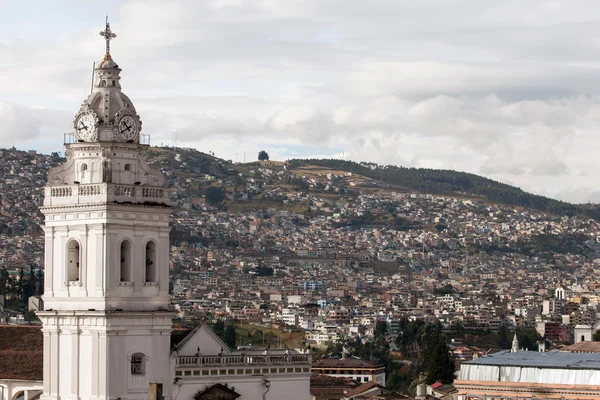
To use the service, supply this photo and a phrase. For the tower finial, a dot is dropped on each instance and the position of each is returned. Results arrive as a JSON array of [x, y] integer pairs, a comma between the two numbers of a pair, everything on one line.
[[108, 36], [515, 344]]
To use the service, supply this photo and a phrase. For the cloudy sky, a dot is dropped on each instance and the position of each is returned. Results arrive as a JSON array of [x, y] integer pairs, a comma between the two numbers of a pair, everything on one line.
[[506, 89]]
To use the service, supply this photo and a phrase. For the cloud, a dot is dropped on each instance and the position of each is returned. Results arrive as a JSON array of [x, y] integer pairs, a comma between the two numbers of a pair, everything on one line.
[[509, 90]]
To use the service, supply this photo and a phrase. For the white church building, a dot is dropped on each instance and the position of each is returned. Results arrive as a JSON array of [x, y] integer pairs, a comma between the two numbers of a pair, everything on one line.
[[106, 322]]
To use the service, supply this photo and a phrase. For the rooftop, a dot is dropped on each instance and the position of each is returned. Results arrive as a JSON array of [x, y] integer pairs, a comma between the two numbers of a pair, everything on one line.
[[344, 363], [552, 359], [21, 352]]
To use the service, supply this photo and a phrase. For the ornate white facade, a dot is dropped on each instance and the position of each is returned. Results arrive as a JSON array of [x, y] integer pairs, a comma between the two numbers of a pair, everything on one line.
[[106, 331], [106, 326]]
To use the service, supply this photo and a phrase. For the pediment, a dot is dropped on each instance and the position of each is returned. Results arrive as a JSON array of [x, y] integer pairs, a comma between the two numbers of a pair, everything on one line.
[[217, 391]]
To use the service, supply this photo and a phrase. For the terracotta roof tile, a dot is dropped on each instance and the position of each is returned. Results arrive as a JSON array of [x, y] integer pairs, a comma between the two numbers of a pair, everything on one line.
[[344, 363], [362, 388], [583, 347], [21, 352]]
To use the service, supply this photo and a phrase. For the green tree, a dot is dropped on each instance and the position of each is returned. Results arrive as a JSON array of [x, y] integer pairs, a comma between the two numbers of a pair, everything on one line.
[[440, 366], [219, 328], [457, 327], [596, 336], [380, 329], [263, 156], [4, 278], [39, 280], [503, 340], [264, 271], [215, 195], [230, 336]]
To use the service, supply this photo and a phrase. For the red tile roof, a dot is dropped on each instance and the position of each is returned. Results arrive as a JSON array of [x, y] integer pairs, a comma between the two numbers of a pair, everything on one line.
[[330, 386], [362, 388], [583, 347], [344, 363], [21, 352]]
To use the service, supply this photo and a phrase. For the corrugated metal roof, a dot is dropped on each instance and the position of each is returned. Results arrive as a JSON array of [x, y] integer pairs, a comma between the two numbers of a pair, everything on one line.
[[551, 359]]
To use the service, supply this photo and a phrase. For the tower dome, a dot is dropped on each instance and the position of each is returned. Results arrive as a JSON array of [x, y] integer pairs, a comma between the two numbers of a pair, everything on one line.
[[107, 114]]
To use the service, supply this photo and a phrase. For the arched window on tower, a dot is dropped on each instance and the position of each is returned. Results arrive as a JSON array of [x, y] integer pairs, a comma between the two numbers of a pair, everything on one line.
[[125, 261], [138, 364], [150, 261], [127, 167], [84, 168], [73, 260]]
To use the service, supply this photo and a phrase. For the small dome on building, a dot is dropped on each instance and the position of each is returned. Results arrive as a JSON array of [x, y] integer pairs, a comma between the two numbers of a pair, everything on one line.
[[107, 109], [107, 63]]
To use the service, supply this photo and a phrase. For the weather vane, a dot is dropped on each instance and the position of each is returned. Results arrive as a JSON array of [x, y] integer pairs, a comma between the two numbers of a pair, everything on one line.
[[108, 36]]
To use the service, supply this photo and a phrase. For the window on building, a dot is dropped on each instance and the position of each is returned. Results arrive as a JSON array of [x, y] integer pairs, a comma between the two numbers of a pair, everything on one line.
[[84, 168], [73, 260], [127, 167], [138, 366], [125, 261], [151, 262]]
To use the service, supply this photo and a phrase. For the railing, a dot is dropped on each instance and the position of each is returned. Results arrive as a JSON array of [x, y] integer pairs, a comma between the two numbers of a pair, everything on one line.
[[138, 383], [61, 191], [152, 193], [89, 190], [69, 138], [233, 360], [125, 191], [105, 192]]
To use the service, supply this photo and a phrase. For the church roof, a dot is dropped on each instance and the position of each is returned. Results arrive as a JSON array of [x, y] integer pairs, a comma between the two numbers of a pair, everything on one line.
[[551, 359], [21, 352]]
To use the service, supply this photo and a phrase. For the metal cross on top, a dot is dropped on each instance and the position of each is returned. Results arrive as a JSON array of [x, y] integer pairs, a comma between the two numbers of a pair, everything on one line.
[[108, 36]]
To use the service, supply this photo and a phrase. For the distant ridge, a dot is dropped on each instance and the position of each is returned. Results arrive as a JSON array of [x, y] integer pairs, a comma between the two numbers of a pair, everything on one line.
[[448, 182]]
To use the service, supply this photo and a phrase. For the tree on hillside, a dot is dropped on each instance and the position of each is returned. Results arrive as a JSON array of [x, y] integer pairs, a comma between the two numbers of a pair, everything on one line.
[[380, 329], [4, 278], [440, 366], [230, 336], [215, 195], [263, 156], [596, 336], [219, 329]]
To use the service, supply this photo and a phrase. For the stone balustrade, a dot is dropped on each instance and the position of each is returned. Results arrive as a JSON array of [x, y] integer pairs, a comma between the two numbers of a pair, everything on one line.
[[105, 192]]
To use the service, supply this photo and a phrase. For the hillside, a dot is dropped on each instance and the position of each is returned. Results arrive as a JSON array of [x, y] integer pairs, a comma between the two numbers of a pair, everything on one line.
[[423, 180], [447, 182], [272, 184]]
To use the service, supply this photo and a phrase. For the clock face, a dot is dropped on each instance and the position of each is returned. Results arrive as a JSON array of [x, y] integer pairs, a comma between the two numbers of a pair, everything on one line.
[[128, 127], [85, 128]]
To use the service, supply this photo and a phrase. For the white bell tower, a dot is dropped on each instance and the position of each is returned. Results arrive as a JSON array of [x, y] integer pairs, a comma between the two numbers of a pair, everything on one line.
[[106, 326]]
